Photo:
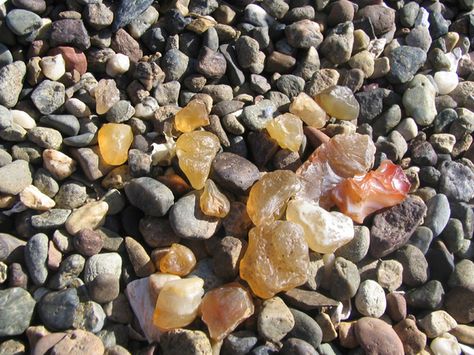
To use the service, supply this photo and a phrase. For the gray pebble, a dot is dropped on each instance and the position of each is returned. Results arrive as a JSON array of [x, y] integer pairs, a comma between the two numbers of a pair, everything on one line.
[[44, 137], [45, 182], [15, 177], [415, 265], [462, 275], [453, 235], [102, 264], [69, 269], [421, 238], [151, 196], [456, 181], [71, 195], [36, 255], [57, 309], [66, 124], [89, 316], [275, 320], [104, 288], [239, 343], [345, 279], [49, 220], [16, 311], [404, 63], [358, 247], [5, 56], [437, 214], [48, 96], [306, 329], [255, 117], [22, 22], [428, 296], [6, 118], [11, 79]]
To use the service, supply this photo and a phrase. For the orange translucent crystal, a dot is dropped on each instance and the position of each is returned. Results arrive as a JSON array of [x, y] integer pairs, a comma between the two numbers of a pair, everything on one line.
[[196, 151], [114, 142], [213, 202], [276, 258], [362, 195], [224, 308], [287, 130], [179, 260], [343, 156], [268, 196], [192, 116]]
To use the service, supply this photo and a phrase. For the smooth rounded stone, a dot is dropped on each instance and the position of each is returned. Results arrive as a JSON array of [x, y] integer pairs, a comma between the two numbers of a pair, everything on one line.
[[188, 221], [364, 61], [464, 334], [413, 339], [255, 117], [23, 119], [358, 247], [415, 265], [443, 142], [456, 181], [71, 195], [11, 79], [53, 67], [212, 64], [16, 176], [423, 153], [120, 112], [290, 85], [32, 197], [48, 96], [370, 299], [88, 242], [294, 346], [390, 274], [453, 235], [459, 304], [234, 173], [57, 309], [304, 34], [5, 56], [14, 133], [12, 347], [157, 232], [91, 215], [421, 238], [408, 14], [445, 81], [105, 263], [419, 37], [428, 296], [89, 316], [23, 22], [150, 195], [16, 311], [436, 323], [5, 158], [305, 329], [139, 258], [440, 260], [437, 214], [79, 341], [396, 306], [66, 124], [239, 343], [462, 275], [377, 337], [6, 117], [104, 288], [275, 320], [405, 61], [69, 270], [393, 227], [184, 341], [448, 344], [339, 40], [419, 100], [463, 212], [36, 255], [443, 119], [387, 120], [175, 64], [345, 279]]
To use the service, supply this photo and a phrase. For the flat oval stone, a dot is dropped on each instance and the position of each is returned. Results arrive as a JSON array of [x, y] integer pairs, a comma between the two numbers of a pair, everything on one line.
[[57, 309], [66, 124], [377, 337], [150, 195], [234, 173], [22, 22]]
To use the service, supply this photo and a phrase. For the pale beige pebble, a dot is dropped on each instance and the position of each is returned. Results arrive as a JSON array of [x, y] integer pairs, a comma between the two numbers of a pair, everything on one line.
[[79, 341], [201, 24], [464, 333], [381, 68], [364, 61], [35, 333], [77, 108], [106, 95], [117, 65], [370, 299], [446, 344], [443, 142], [90, 216], [34, 75], [53, 67], [361, 41], [407, 128], [33, 198], [54, 256], [390, 274], [308, 110], [377, 46], [58, 164], [436, 323], [141, 261], [327, 327], [347, 336], [7, 201], [157, 280], [23, 119]]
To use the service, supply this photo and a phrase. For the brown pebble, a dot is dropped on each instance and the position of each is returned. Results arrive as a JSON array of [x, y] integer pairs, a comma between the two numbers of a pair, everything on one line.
[[79, 342], [347, 336], [413, 339], [16, 276], [377, 337], [104, 288], [139, 258], [88, 242], [54, 256], [396, 306]]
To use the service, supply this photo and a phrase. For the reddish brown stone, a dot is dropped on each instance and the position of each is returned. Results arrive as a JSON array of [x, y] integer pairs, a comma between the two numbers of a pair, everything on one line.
[[396, 306], [377, 337], [123, 43], [74, 58]]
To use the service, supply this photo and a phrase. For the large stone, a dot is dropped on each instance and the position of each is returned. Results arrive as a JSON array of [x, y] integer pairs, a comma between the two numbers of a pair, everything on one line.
[[404, 63], [11, 83], [150, 195], [377, 337], [234, 173], [16, 310], [15, 177]]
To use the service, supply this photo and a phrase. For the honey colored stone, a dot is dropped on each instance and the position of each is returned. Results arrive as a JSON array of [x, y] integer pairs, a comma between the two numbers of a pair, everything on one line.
[[268, 196], [339, 102], [276, 258], [106, 95], [308, 110], [89, 216], [156, 282], [224, 308], [192, 116], [117, 178], [178, 303], [114, 141], [324, 231], [196, 151], [213, 202], [287, 130], [178, 260]]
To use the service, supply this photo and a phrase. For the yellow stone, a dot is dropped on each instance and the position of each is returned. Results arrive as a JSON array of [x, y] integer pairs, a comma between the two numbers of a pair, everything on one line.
[[196, 151], [287, 130], [339, 102], [269, 196], [179, 260], [114, 141], [213, 202], [192, 116], [276, 258], [308, 110]]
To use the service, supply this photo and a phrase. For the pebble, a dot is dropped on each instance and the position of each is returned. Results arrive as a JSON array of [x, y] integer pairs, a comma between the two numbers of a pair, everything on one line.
[[88, 242], [23, 22], [36, 255], [445, 344], [104, 288], [69, 32], [91, 215], [413, 339], [79, 341], [141, 262], [57, 309], [71, 195], [396, 306], [455, 181], [275, 320], [436, 323], [358, 247], [437, 214], [45, 137], [149, 195], [304, 34], [53, 67], [445, 81], [294, 346], [459, 304], [428, 296], [345, 279], [305, 329], [390, 274], [255, 117], [339, 39], [105, 263], [11, 79], [74, 58], [415, 265], [118, 64], [66, 124], [377, 337], [48, 96], [16, 176], [234, 173], [405, 61], [23, 119], [461, 275], [419, 100], [370, 299], [58, 164], [16, 311], [181, 341], [89, 316]]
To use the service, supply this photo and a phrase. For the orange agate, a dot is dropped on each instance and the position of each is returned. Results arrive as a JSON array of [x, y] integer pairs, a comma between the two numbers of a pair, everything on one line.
[[362, 195]]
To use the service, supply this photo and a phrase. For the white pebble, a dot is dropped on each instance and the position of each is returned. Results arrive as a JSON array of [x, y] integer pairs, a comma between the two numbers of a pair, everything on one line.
[[370, 299], [446, 344], [53, 67], [117, 65], [446, 81], [33, 198], [23, 119]]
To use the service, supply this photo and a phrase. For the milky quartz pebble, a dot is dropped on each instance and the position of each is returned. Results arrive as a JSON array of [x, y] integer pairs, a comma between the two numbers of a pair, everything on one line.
[[178, 303], [23, 119], [445, 344], [324, 231], [446, 81], [89, 216], [58, 164], [33, 198], [117, 65], [53, 67], [308, 110]]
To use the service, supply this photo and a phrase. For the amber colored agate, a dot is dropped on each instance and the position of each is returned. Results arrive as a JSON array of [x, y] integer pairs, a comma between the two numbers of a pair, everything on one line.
[[362, 195]]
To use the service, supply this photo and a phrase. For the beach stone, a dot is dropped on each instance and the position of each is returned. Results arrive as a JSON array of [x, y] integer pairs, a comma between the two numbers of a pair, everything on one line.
[[428, 296], [396, 306], [91, 215], [441, 261], [66, 124], [393, 227], [11, 83], [370, 299], [5, 56], [456, 180], [376, 336], [294, 346], [390, 274], [358, 247], [75, 59], [275, 320], [104, 288], [437, 214], [88, 242], [16, 311], [89, 316], [413, 339], [304, 34], [419, 100], [69, 32], [415, 265], [139, 258], [255, 117], [105, 263], [79, 341], [461, 276], [339, 40], [305, 329], [23, 22], [459, 304], [48, 96], [453, 235], [405, 61], [69, 270], [57, 309], [150, 195], [436, 323], [185, 342], [381, 17], [36, 255], [45, 137], [345, 279], [188, 221], [15, 177], [71, 195], [421, 238]]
